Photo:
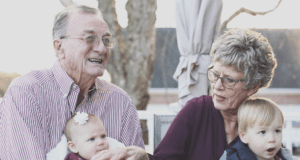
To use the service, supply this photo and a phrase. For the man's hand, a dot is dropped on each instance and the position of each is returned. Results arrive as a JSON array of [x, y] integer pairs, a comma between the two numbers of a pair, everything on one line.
[[122, 153]]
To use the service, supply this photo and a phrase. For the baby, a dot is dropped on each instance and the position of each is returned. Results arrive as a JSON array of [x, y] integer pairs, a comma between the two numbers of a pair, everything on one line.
[[260, 124], [86, 136]]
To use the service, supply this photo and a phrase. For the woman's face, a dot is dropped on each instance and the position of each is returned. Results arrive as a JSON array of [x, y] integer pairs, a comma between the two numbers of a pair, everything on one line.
[[229, 99]]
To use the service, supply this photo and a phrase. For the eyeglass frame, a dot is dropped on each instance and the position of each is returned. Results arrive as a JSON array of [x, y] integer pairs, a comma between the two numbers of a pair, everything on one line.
[[84, 38], [222, 79]]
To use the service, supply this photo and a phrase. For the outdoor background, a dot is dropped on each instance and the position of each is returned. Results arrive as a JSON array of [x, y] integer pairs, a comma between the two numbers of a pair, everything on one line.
[[26, 28], [26, 42]]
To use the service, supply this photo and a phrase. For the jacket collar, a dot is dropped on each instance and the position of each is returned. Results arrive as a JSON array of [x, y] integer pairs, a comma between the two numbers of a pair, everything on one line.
[[242, 151]]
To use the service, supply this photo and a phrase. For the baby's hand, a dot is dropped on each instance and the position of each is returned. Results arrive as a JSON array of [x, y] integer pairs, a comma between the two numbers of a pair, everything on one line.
[[122, 153], [119, 153]]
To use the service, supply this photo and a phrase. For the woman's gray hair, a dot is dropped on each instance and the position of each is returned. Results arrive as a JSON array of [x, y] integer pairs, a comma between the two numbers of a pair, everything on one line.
[[249, 53], [61, 19]]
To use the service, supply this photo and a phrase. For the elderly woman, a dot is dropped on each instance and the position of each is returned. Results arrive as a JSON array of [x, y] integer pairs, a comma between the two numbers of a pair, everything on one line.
[[242, 62]]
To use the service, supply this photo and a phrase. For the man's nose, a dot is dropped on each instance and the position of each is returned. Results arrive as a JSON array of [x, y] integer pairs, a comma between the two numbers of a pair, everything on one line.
[[99, 47]]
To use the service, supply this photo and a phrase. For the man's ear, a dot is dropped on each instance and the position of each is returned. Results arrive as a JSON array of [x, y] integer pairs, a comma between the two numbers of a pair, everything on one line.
[[243, 137], [72, 147], [253, 90], [57, 43]]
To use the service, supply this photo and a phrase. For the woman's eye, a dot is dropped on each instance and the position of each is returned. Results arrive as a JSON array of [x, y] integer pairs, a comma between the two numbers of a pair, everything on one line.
[[92, 139], [262, 132], [229, 80], [215, 76]]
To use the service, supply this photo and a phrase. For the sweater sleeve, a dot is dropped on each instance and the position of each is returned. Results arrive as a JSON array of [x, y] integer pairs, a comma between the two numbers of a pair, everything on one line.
[[71, 156]]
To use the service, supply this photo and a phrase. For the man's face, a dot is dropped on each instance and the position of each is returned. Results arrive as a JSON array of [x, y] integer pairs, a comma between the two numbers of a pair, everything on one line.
[[264, 141], [82, 57], [90, 139]]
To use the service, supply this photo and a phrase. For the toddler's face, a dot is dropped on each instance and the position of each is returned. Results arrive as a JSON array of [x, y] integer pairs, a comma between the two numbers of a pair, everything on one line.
[[264, 141], [90, 139]]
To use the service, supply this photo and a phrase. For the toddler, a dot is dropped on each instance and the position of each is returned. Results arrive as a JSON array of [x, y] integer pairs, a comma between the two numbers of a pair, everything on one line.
[[260, 123], [86, 136]]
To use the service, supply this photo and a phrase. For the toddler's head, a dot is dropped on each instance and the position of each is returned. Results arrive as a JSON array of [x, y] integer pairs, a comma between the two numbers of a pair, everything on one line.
[[260, 123], [86, 135]]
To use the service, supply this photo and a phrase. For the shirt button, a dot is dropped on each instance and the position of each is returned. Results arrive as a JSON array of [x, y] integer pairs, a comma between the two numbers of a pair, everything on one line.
[[65, 96], [74, 87]]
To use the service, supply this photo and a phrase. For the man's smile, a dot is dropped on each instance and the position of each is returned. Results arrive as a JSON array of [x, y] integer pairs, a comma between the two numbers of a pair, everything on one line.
[[94, 60]]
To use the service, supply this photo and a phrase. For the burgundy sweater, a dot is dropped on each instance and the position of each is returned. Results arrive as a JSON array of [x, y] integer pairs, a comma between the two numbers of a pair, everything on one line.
[[196, 133], [73, 156]]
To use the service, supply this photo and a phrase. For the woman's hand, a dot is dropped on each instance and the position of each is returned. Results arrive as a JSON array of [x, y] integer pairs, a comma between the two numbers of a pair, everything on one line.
[[136, 153], [122, 153]]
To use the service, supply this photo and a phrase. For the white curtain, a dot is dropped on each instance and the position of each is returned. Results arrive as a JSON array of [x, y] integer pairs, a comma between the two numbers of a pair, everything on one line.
[[197, 26]]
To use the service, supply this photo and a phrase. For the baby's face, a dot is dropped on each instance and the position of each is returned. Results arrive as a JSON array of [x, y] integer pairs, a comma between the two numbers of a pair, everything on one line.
[[90, 139], [264, 141]]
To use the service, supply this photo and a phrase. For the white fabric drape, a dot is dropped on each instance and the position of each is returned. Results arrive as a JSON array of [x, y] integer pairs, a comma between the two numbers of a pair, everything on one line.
[[197, 26]]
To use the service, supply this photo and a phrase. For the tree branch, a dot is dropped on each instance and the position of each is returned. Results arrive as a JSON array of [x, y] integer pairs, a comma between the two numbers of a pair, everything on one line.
[[245, 10]]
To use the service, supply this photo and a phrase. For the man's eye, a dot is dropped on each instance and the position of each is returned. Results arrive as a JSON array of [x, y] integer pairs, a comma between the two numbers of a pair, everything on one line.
[[277, 131], [106, 41], [90, 38], [103, 136], [92, 139], [262, 132]]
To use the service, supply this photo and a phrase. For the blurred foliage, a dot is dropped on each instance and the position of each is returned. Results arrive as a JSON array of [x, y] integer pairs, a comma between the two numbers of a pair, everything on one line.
[[5, 80]]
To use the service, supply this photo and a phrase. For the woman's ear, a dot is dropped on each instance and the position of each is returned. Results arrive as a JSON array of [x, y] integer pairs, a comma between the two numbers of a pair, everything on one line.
[[72, 147], [57, 44], [243, 137], [253, 90]]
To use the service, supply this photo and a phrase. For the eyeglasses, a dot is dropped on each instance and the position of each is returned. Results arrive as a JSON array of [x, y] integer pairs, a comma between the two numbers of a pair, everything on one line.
[[94, 40], [226, 81]]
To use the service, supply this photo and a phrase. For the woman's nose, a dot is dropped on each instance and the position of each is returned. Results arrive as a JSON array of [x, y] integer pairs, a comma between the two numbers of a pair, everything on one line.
[[219, 84]]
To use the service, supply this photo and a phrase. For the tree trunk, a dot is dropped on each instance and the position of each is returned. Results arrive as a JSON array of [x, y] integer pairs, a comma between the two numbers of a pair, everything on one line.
[[131, 62]]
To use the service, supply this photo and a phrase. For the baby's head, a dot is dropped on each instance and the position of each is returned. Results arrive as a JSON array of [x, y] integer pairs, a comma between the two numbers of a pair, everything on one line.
[[86, 135], [260, 123]]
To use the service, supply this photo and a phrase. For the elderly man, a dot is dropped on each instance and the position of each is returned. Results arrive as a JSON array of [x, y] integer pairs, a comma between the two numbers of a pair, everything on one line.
[[36, 106]]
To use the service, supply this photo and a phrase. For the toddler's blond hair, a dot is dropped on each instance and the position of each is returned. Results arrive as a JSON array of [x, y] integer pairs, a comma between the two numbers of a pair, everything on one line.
[[259, 110]]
